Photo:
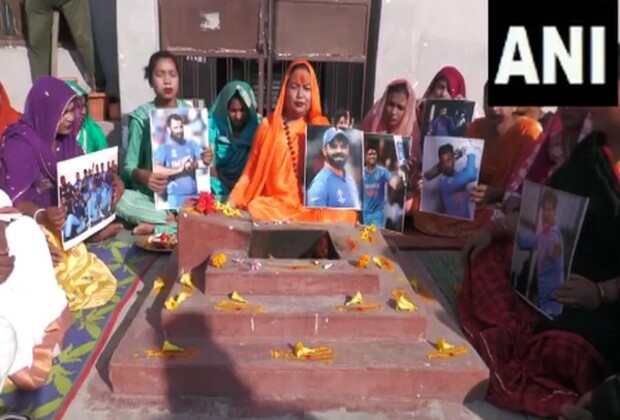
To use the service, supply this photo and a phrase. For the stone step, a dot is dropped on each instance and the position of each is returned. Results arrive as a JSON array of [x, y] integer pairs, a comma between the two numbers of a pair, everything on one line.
[[240, 369], [316, 317], [273, 280]]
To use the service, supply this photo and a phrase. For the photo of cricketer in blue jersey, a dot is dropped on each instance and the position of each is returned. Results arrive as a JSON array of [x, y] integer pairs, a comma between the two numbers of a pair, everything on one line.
[[337, 182], [177, 158], [86, 188], [385, 174], [549, 226], [450, 175]]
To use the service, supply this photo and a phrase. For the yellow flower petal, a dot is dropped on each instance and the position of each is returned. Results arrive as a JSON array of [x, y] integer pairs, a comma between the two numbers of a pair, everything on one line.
[[169, 347], [443, 345], [378, 262], [404, 304], [236, 297], [158, 285], [302, 351], [358, 299], [172, 303], [186, 280]]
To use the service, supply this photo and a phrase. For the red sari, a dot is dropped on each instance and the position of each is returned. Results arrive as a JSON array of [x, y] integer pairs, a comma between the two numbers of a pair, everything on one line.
[[8, 115]]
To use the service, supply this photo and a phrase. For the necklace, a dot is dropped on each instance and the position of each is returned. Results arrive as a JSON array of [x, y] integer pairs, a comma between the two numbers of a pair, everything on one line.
[[289, 143]]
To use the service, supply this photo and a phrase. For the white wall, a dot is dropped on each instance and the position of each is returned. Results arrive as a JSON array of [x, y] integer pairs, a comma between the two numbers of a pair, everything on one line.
[[15, 72], [138, 38], [418, 37]]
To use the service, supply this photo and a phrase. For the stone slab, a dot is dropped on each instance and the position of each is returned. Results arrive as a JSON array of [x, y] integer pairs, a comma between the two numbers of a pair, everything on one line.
[[290, 317], [378, 368]]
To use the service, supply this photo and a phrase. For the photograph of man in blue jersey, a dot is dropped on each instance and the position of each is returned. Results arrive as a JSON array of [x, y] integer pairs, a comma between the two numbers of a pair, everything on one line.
[[548, 230], [337, 183], [86, 191], [177, 155], [447, 117], [385, 174], [451, 167]]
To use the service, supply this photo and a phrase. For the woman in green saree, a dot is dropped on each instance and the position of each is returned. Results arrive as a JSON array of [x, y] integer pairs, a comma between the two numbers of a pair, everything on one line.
[[233, 123], [91, 137]]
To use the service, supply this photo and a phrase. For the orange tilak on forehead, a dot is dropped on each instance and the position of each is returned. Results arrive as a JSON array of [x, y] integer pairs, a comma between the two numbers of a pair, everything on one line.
[[301, 77]]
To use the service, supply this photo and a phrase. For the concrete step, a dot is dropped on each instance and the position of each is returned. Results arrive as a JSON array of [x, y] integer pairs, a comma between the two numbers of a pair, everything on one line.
[[374, 368], [315, 317]]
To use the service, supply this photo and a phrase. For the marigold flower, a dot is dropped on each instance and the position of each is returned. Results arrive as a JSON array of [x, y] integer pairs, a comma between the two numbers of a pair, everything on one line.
[[219, 260], [363, 261]]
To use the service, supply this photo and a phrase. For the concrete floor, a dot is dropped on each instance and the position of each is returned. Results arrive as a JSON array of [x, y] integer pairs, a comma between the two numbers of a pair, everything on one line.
[[85, 406]]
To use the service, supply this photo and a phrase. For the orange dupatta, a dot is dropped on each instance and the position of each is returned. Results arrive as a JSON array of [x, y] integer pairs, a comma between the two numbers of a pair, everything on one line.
[[500, 159], [8, 115], [269, 188]]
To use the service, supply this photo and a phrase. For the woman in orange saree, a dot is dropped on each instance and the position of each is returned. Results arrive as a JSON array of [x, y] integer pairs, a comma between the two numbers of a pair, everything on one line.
[[507, 138], [271, 185]]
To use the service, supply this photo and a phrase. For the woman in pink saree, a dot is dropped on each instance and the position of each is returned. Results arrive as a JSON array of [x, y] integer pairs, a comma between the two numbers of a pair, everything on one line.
[[395, 113]]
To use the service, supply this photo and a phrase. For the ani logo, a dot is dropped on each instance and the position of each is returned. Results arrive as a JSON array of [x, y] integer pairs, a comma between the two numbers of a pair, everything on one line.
[[553, 52]]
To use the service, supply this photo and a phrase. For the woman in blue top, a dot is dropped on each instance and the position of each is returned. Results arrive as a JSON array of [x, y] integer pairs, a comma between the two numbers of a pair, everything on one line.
[[234, 120]]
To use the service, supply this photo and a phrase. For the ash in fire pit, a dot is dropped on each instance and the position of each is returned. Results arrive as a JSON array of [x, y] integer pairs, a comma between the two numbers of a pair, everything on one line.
[[292, 244]]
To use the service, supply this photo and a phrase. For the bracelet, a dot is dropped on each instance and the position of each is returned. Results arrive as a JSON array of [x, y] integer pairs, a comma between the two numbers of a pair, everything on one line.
[[36, 214], [601, 293]]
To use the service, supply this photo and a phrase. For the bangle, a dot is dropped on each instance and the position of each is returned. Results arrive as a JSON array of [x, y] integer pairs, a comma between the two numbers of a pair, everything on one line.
[[601, 293], [36, 214]]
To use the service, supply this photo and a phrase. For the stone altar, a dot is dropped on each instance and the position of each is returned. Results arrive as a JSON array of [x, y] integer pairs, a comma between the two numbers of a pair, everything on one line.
[[306, 271]]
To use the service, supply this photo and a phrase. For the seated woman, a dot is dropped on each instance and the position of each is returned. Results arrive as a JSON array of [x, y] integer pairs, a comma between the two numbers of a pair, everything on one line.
[[234, 121], [271, 186], [30, 151], [507, 138], [395, 113], [8, 115], [538, 365], [137, 205], [448, 83], [91, 137], [33, 308]]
